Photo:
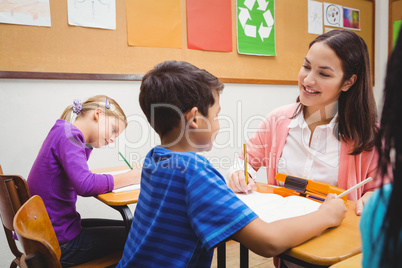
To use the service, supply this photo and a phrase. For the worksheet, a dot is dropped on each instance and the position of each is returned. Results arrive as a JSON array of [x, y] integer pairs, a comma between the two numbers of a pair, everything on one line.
[[272, 207], [126, 188]]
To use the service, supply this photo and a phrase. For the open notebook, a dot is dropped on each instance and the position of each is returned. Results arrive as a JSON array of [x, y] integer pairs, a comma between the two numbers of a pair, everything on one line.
[[126, 188], [272, 207]]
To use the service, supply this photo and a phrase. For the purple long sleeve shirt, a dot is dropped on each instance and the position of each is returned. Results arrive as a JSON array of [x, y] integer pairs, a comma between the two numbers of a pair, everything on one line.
[[60, 172]]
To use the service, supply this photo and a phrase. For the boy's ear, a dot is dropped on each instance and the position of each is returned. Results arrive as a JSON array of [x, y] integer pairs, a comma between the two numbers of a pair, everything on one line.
[[191, 117]]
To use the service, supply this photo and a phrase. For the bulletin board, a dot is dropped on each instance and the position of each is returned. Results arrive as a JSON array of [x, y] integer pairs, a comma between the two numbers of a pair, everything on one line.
[[395, 14], [69, 52]]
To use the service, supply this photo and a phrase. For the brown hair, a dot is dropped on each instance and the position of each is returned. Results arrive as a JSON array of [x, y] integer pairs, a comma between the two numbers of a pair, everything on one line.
[[357, 112], [95, 102], [171, 89]]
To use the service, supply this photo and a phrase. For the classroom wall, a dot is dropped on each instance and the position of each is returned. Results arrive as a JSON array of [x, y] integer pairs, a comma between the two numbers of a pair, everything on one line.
[[29, 108]]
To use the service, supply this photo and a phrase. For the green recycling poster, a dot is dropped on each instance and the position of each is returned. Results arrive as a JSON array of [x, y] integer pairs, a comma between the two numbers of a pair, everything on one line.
[[256, 27]]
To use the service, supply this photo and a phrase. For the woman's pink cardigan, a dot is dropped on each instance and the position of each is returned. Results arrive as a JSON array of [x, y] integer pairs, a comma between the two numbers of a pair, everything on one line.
[[265, 149]]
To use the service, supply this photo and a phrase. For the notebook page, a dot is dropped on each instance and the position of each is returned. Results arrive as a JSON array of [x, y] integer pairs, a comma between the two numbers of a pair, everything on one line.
[[273, 207], [126, 188]]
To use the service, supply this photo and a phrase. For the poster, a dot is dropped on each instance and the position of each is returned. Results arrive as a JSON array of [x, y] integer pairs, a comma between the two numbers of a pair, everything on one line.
[[256, 27], [397, 27], [209, 25], [333, 15], [154, 23], [315, 17], [25, 12], [92, 13], [351, 18]]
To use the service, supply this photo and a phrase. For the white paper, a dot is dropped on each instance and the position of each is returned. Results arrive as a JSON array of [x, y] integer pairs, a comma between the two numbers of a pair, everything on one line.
[[25, 12], [333, 15], [315, 17], [117, 172], [92, 13], [273, 207], [126, 188]]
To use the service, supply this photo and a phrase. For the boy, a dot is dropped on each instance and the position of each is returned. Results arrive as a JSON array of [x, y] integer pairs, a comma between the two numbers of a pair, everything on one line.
[[185, 207]]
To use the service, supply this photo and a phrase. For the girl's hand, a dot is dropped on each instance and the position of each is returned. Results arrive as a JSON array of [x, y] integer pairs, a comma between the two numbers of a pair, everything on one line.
[[335, 208], [360, 203], [130, 177], [135, 174], [237, 182]]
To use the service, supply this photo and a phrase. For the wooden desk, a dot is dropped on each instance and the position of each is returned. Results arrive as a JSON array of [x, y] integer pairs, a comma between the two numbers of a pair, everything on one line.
[[352, 262], [119, 201], [332, 246]]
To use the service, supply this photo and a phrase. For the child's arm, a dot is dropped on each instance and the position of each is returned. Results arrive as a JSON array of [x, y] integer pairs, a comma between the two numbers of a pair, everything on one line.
[[237, 182], [131, 177], [271, 239]]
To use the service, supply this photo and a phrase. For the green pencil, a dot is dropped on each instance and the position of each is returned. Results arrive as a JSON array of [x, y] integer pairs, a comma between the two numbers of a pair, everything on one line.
[[125, 160]]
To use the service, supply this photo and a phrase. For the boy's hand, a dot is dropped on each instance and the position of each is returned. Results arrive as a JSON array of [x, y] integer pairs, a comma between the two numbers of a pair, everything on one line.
[[335, 209], [237, 182]]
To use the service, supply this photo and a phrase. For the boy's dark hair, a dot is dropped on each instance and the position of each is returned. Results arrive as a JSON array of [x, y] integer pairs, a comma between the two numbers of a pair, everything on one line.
[[173, 88]]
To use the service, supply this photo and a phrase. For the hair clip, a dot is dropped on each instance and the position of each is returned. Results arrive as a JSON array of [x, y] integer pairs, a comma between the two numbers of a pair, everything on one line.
[[107, 103], [77, 106]]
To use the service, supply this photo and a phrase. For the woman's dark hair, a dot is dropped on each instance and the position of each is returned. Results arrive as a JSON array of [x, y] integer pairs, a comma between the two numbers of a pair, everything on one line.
[[389, 145], [173, 88], [357, 112]]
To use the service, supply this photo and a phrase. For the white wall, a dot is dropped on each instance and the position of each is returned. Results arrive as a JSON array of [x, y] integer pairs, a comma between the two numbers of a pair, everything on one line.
[[29, 109]]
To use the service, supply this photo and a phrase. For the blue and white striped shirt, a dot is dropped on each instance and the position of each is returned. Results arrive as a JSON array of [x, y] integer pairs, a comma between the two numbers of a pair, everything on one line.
[[184, 210]]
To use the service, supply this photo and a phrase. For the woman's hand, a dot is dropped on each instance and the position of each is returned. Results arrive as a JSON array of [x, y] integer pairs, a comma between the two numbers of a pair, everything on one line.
[[237, 182], [361, 202]]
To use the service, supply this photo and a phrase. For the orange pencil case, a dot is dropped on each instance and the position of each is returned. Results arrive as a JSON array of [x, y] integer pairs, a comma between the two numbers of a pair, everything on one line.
[[306, 187]]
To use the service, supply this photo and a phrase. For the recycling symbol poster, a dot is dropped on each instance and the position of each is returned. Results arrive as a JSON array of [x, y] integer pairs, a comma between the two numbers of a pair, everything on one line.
[[256, 27]]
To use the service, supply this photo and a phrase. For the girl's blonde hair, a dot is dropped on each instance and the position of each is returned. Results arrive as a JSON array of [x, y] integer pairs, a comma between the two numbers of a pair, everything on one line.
[[109, 106]]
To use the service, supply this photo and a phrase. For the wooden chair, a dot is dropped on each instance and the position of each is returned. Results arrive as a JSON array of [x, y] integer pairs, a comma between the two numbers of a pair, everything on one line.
[[13, 193], [36, 234]]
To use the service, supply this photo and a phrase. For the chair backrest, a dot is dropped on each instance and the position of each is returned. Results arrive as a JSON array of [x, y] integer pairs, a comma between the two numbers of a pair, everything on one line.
[[36, 234], [13, 193]]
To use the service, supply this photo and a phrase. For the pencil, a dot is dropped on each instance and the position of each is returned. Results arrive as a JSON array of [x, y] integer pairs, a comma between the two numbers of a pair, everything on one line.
[[245, 162], [125, 160], [354, 187]]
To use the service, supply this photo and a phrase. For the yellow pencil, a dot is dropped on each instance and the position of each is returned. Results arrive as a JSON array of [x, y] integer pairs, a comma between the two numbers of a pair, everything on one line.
[[245, 163]]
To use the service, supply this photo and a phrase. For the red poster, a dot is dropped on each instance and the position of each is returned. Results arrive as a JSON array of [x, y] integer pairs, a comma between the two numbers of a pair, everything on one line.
[[209, 25]]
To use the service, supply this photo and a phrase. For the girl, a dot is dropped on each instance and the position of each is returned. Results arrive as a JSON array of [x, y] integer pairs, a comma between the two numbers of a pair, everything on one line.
[[60, 173], [381, 223], [328, 135]]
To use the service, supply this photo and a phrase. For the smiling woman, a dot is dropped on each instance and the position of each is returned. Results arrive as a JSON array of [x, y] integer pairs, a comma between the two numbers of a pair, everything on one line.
[[328, 135]]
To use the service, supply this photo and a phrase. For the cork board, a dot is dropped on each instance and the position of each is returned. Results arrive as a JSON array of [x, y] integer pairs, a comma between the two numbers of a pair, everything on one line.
[[70, 52]]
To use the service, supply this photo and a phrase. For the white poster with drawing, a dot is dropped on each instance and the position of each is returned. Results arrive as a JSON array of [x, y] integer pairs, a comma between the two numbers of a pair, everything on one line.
[[92, 13], [25, 12], [333, 15], [315, 17]]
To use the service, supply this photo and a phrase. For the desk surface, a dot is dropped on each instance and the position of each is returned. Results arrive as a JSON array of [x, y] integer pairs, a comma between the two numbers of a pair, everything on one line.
[[117, 199], [332, 246]]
